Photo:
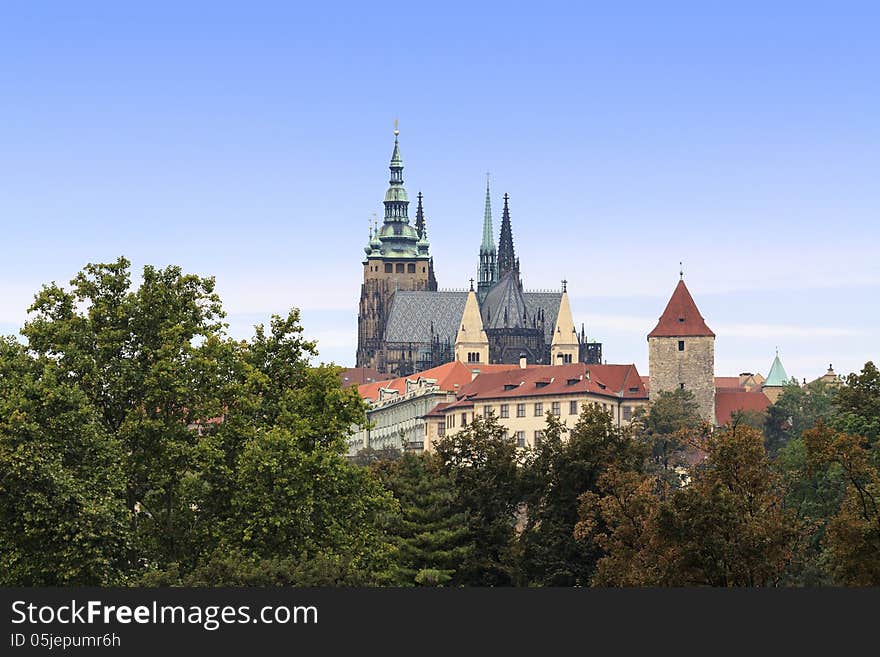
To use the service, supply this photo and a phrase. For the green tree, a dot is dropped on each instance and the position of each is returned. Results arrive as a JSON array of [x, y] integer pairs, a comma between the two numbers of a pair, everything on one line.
[[560, 469], [482, 463], [797, 409], [62, 519], [669, 427], [858, 404], [429, 532]]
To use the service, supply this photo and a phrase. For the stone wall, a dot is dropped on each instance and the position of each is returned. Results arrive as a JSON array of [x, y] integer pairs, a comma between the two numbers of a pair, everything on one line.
[[694, 367]]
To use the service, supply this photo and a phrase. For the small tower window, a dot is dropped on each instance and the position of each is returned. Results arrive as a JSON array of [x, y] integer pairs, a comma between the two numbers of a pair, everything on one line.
[[681, 386], [389, 268], [399, 267], [411, 268], [681, 345]]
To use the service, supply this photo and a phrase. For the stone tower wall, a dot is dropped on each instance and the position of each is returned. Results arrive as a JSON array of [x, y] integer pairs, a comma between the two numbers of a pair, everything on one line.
[[377, 293], [694, 367]]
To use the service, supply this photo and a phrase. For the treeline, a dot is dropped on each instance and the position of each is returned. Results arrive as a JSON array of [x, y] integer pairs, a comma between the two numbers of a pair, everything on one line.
[[140, 445]]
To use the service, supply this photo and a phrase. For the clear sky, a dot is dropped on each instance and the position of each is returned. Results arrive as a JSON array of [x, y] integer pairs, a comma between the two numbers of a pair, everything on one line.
[[250, 141]]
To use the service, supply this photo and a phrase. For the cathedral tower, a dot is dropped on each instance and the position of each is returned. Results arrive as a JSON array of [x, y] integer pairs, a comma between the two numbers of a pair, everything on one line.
[[507, 261], [397, 258], [681, 352]]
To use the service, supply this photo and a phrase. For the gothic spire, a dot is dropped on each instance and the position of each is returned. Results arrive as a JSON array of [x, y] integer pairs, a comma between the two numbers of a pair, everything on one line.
[[488, 244], [420, 217], [506, 256]]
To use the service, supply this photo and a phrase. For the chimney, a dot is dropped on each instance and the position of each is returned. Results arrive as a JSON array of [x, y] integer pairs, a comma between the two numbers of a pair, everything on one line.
[[474, 374], [522, 361], [743, 377]]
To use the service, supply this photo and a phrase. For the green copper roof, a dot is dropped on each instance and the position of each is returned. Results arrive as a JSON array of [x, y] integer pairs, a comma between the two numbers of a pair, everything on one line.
[[777, 375], [488, 244]]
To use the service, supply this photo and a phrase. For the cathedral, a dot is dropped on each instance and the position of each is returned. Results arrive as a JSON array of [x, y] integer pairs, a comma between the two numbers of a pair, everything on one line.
[[407, 325]]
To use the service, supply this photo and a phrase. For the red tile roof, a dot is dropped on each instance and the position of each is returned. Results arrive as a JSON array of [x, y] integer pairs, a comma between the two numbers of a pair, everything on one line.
[[357, 375], [450, 377], [728, 402], [618, 381], [681, 318]]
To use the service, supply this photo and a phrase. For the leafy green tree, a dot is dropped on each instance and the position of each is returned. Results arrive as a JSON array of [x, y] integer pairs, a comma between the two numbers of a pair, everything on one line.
[[852, 539], [561, 468], [669, 427], [62, 519], [796, 410], [482, 463], [429, 532], [858, 404]]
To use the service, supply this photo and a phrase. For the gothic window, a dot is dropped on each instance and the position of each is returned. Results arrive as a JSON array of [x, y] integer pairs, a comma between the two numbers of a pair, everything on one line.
[[411, 268], [389, 268]]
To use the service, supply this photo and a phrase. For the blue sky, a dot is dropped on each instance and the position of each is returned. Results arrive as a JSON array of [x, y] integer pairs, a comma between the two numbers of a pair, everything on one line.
[[250, 141]]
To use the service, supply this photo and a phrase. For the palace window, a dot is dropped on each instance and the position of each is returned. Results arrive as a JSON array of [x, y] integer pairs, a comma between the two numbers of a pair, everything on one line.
[[411, 268], [520, 410], [573, 407], [389, 268], [399, 267], [539, 436], [441, 429], [539, 409], [520, 438], [505, 410], [487, 411], [464, 419], [557, 410], [627, 413]]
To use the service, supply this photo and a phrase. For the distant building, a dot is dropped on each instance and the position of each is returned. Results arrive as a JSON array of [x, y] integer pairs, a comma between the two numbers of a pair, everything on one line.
[[521, 397], [398, 406], [776, 380]]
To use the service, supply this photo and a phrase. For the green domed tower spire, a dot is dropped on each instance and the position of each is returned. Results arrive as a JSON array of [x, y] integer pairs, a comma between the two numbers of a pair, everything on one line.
[[398, 237]]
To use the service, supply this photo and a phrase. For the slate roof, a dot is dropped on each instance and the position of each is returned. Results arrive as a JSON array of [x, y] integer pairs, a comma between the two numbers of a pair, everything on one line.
[[413, 312]]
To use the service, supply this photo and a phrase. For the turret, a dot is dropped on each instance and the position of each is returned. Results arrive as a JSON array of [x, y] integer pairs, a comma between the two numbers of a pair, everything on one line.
[[471, 343], [564, 347]]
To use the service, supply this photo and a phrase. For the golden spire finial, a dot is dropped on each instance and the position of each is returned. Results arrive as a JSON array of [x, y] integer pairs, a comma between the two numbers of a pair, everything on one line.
[[396, 131]]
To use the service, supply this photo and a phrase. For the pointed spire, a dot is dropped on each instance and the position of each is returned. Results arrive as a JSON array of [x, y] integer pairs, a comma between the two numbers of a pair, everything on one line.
[[471, 342], [564, 345], [681, 317], [506, 256], [488, 243], [776, 376], [420, 217]]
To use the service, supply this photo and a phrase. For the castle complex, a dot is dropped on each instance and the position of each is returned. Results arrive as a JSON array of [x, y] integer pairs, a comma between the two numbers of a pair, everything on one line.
[[437, 359], [406, 325]]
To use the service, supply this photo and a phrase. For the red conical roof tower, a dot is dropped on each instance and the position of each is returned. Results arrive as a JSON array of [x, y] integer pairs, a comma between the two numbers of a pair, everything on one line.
[[681, 318]]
